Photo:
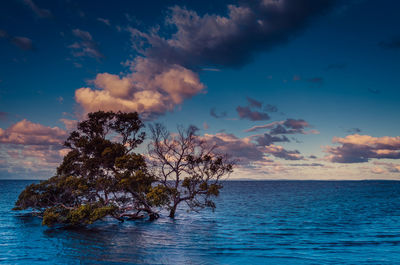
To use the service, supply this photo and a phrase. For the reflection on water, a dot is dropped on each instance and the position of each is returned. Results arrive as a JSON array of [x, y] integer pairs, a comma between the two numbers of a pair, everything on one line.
[[287, 222]]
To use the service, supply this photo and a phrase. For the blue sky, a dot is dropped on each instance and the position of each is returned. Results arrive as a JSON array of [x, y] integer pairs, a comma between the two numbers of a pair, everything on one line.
[[331, 66]]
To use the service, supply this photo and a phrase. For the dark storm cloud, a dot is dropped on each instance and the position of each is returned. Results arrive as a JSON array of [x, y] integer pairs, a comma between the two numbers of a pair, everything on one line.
[[247, 113], [230, 40], [213, 113]]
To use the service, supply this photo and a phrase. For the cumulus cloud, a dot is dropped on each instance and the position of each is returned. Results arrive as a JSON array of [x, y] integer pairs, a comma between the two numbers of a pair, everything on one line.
[[189, 43], [29, 133], [361, 148], [151, 89], [86, 46], [30, 149], [40, 12]]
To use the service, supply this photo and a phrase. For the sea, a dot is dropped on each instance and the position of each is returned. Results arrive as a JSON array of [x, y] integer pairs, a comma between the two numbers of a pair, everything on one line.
[[255, 222]]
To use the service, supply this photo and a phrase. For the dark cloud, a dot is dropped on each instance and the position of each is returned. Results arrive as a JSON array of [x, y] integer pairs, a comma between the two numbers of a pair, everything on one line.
[[86, 46], [316, 80], [213, 113], [230, 40], [361, 148], [336, 66], [267, 139], [353, 130], [3, 116], [254, 103], [312, 157], [288, 126], [247, 113], [40, 12], [23, 43], [270, 108], [392, 44], [104, 21], [280, 152]]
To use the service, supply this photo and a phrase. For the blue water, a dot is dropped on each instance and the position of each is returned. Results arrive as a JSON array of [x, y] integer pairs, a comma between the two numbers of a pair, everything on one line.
[[265, 222]]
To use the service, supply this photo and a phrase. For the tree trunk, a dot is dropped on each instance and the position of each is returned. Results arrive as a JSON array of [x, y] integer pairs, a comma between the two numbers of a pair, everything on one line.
[[173, 210]]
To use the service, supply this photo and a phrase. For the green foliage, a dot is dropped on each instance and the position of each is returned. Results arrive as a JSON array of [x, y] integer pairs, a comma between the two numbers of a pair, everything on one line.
[[158, 195]]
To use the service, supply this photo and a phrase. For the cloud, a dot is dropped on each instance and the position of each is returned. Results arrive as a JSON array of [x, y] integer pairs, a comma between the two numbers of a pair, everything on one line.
[[288, 126], [104, 21], [40, 12], [86, 46], [353, 130], [190, 42], [392, 44], [247, 113], [151, 89], [254, 103], [3, 115], [267, 139], [248, 150], [233, 39], [316, 80], [213, 113], [270, 108], [23, 43], [31, 150], [357, 148], [28, 133]]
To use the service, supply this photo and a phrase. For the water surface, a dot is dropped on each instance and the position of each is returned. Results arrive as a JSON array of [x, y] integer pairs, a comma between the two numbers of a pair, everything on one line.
[[256, 222]]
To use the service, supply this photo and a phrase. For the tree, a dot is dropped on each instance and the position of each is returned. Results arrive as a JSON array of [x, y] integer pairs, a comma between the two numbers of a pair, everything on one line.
[[186, 168], [100, 176]]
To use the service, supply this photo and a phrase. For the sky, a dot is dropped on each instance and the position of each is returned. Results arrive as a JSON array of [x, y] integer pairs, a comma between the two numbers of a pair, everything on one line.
[[291, 89]]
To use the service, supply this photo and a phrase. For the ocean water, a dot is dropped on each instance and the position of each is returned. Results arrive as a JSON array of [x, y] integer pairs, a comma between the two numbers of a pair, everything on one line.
[[256, 222]]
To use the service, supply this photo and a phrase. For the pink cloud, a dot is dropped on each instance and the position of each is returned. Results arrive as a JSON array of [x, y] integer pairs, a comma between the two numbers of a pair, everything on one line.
[[29, 133], [357, 148], [150, 89]]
